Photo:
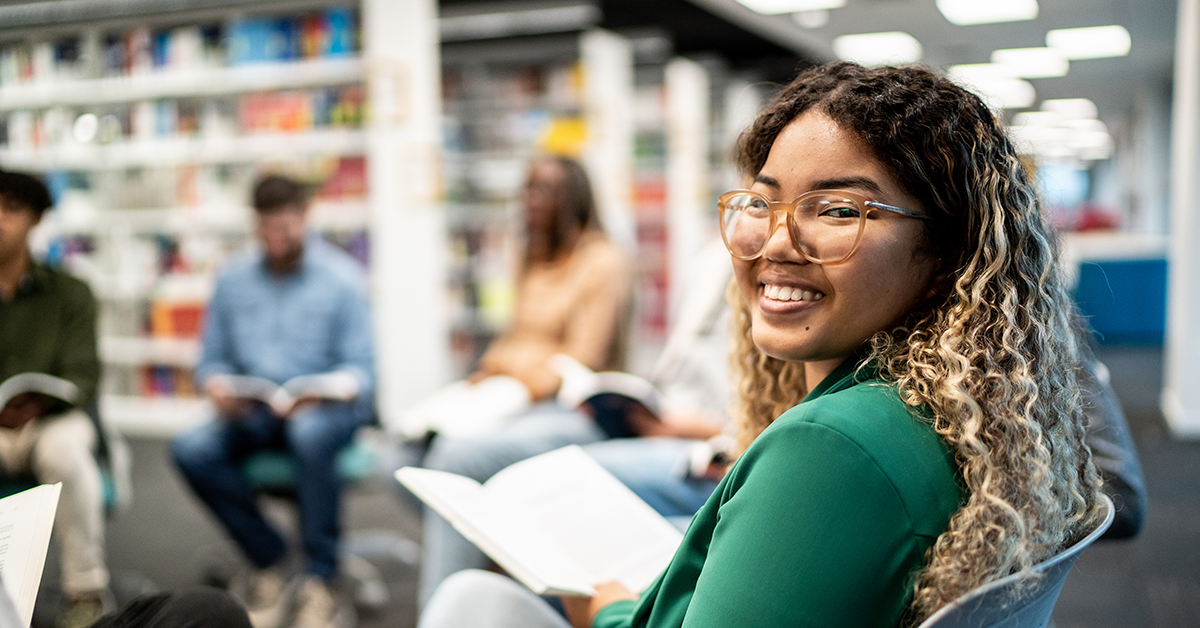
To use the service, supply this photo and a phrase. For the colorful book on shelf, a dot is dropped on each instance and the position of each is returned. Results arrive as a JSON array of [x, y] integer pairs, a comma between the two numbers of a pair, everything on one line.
[[26, 519], [559, 522], [57, 389]]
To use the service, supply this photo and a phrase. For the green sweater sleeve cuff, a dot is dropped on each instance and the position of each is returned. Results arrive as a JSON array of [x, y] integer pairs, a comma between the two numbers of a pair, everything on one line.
[[615, 615]]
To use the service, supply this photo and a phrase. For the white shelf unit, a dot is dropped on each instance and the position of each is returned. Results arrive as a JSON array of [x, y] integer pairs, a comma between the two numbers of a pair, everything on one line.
[[245, 149], [121, 235], [189, 83]]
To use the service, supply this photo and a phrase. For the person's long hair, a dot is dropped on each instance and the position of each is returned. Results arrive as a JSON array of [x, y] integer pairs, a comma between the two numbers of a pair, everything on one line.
[[992, 355], [575, 215]]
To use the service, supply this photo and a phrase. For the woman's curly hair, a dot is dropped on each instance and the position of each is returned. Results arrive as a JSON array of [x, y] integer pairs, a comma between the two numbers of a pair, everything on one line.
[[992, 355]]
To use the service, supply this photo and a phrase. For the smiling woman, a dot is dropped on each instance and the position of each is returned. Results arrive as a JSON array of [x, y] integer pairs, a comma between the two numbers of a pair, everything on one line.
[[893, 269], [963, 314]]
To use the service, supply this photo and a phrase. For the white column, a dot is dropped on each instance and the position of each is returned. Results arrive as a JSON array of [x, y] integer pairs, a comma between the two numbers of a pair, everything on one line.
[[689, 224], [607, 60], [1181, 393], [408, 269]]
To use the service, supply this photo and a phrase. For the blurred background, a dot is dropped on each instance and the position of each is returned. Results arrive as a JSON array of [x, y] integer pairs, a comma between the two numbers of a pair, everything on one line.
[[414, 120]]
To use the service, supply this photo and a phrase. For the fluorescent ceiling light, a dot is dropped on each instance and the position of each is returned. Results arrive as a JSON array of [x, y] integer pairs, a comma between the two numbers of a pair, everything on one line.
[[968, 73], [1004, 93], [1032, 62], [773, 7], [1094, 42], [967, 12], [1071, 108], [1055, 135], [878, 48], [811, 19], [995, 84], [518, 22]]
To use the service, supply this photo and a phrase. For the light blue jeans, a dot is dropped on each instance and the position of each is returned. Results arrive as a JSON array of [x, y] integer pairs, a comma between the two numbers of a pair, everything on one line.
[[544, 428], [482, 599]]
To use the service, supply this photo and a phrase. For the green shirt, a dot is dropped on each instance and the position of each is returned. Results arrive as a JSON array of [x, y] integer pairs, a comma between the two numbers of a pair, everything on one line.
[[49, 326], [822, 522]]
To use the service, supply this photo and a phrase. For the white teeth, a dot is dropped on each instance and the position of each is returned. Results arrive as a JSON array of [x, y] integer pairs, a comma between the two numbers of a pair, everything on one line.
[[787, 293]]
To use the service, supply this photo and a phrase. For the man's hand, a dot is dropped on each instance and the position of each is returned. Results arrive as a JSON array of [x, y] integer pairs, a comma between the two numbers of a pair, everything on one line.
[[22, 409], [228, 405], [581, 610]]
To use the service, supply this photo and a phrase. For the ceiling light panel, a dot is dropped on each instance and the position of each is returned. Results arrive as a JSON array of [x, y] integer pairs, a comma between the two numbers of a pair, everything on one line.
[[968, 12], [1095, 42], [878, 48], [1032, 62], [1003, 93], [774, 7], [1071, 108]]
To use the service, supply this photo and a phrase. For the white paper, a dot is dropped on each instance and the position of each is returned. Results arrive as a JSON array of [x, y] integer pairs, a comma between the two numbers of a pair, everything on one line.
[[557, 522], [26, 520]]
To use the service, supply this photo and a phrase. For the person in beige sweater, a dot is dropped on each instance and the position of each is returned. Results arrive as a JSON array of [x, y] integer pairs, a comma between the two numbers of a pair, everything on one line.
[[573, 298]]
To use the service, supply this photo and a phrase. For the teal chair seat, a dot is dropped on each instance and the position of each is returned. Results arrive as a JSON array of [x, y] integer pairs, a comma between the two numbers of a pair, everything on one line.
[[274, 472]]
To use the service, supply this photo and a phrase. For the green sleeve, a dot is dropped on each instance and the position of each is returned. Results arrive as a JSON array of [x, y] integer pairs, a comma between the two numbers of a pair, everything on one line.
[[615, 615], [811, 533], [78, 361]]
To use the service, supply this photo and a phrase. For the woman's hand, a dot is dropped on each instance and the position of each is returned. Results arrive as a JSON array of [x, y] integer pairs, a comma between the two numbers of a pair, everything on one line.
[[582, 610]]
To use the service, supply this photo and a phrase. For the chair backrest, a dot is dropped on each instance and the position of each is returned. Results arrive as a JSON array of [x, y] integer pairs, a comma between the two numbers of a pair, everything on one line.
[[993, 605]]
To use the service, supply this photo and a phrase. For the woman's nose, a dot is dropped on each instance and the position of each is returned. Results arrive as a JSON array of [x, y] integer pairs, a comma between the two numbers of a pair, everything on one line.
[[780, 244]]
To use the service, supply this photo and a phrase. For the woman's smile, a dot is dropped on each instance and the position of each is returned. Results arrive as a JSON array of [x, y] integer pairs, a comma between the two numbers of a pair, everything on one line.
[[822, 313]]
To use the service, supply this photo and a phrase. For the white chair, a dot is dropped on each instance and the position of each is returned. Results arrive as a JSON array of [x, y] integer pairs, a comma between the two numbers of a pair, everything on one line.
[[993, 606]]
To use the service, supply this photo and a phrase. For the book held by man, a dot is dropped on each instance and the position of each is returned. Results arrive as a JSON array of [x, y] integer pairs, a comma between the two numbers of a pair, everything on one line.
[[558, 522], [338, 386], [26, 519]]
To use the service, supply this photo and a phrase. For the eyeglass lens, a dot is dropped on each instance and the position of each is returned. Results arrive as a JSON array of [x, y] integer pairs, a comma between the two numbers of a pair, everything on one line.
[[824, 226]]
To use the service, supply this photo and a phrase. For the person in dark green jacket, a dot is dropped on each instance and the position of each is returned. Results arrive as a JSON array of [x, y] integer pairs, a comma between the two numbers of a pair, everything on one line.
[[891, 259], [48, 327]]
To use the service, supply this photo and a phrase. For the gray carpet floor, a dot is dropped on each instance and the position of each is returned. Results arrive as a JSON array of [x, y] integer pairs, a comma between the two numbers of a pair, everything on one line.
[[165, 540]]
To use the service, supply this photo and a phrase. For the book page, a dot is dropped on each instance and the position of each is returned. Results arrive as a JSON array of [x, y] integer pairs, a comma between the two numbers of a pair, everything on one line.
[[26, 520], [249, 387], [465, 409], [339, 385], [43, 383], [607, 530], [518, 544]]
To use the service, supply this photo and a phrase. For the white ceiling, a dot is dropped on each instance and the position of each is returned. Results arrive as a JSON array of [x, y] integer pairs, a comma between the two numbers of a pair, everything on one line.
[[1113, 84]]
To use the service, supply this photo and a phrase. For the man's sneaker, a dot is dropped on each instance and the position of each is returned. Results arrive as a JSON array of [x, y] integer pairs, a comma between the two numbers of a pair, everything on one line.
[[317, 607], [268, 598]]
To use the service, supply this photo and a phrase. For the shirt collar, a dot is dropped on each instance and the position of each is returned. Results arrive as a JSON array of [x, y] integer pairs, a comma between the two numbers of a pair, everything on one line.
[[847, 374], [311, 242]]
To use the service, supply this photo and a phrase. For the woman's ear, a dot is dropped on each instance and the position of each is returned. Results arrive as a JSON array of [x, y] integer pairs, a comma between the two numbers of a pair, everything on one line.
[[939, 283]]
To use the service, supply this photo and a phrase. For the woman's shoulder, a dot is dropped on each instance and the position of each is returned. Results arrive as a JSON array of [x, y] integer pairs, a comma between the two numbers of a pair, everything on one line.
[[594, 247], [871, 419]]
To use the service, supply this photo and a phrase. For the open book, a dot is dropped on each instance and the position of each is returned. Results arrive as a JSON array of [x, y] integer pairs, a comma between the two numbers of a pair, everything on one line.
[[558, 522], [606, 394], [462, 408], [40, 383], [26, 519], [338, 386]]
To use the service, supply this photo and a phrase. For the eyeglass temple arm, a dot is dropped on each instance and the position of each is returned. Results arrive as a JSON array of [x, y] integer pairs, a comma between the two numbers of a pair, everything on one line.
[[900, 210]]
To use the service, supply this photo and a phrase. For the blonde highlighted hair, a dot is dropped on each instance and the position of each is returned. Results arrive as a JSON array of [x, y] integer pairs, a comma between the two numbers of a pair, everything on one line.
[[992, 356]]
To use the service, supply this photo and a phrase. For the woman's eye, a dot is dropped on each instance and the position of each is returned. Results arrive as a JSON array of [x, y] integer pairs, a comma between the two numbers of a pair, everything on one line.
[[840, 211]]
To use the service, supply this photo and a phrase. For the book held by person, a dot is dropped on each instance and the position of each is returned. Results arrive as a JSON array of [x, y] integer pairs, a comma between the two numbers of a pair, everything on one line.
[[558, 522]]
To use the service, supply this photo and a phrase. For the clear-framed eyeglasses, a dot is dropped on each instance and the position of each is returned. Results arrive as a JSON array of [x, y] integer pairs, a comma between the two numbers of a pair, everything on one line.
[[825, 226]]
